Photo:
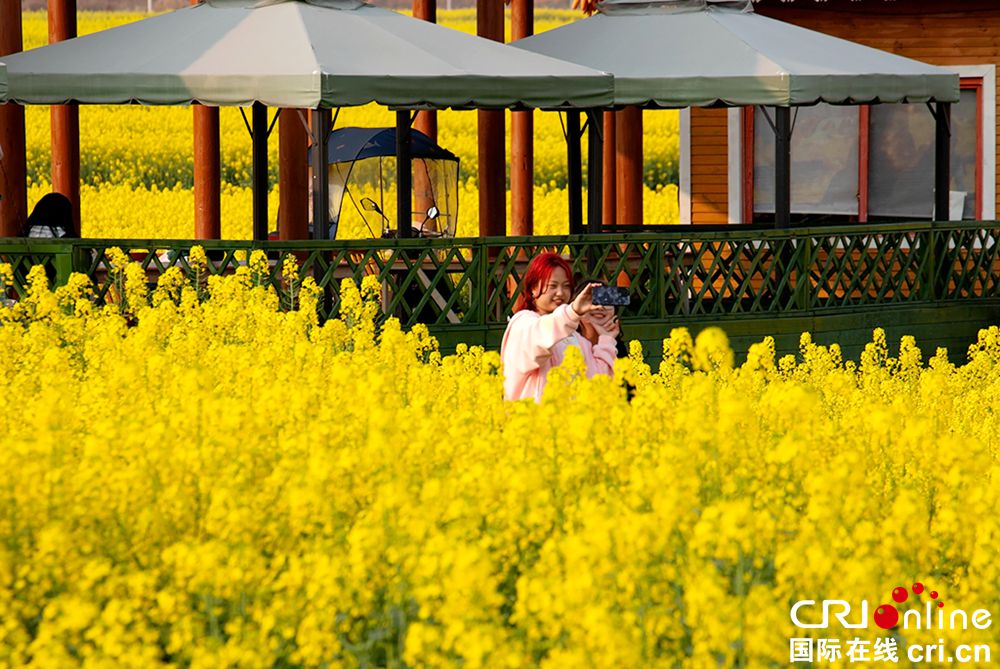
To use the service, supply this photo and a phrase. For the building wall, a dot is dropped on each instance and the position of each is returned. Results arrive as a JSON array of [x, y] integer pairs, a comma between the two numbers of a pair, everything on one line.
[[709, 175], [941, 32]]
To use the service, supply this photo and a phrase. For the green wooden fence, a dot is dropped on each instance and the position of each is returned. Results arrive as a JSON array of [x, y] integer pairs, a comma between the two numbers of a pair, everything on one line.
[[464, 289]]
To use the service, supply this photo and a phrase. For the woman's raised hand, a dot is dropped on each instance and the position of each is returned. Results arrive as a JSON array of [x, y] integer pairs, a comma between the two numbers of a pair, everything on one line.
[[610, 327], [584, 303]]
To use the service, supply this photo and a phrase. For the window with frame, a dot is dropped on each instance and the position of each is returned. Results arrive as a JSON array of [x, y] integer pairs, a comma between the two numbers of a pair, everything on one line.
[[866, 163]]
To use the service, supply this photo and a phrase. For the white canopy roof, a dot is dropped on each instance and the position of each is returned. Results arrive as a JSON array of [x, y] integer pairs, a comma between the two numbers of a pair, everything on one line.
[[294, 53], [684, 53]]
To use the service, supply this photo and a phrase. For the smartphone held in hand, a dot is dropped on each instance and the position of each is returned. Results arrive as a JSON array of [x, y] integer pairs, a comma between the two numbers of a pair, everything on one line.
[[610, 296]]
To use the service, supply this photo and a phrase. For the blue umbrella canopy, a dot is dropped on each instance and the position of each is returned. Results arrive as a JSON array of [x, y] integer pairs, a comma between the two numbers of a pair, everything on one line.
[[350, 144]]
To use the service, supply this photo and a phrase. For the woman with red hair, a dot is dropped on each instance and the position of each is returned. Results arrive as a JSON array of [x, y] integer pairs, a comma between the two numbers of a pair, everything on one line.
[[545, 322]]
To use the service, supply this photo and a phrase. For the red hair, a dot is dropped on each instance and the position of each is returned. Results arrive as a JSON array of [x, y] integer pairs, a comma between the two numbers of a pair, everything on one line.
[[539, 272]]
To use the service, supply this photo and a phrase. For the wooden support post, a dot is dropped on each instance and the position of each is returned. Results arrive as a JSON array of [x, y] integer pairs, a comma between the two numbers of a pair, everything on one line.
[[293, 176], [522, 173], [629, 163], [65, 119], [404, 175], [522, 128], [574, 174], [609, 209], [595, 165], [782, 167], [426, 121], [13, 175], [425, 10], [258, 126], [207, 171], [492, 175], [319, 122], [492, 158], [942, 162]]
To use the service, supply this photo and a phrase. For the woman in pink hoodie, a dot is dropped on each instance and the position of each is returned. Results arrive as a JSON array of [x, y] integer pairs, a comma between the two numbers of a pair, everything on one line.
[[545, 323]]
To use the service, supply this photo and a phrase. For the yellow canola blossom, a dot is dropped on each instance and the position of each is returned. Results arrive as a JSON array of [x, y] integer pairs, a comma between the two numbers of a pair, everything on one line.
[[137, 161], [199, 477], [121, 212]]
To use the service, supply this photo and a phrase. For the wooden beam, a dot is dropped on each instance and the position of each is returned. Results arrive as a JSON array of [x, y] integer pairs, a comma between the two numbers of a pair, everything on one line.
[[522, 125], [293, 175], [207, 171], [65, 119], [609, 208], [13, 176], [492, 158], [629, 165], [425, 9], [426, 121]]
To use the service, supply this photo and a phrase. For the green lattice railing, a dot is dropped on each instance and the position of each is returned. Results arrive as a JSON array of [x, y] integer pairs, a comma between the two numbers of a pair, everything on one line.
[[743, 270]]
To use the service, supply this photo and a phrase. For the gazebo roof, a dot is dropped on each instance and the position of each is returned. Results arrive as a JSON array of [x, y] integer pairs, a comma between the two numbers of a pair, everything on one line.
[[294, 53], [681, 53]]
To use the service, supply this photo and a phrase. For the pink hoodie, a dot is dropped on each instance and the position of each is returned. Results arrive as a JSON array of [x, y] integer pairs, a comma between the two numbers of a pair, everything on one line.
[[534, 344]]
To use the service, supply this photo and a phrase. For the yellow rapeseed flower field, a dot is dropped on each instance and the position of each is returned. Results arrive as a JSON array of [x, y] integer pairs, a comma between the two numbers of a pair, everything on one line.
[[137, 162], [198, 478]]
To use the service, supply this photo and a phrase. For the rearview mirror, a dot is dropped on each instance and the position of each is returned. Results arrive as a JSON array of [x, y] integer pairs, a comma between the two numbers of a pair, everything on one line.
[[432, 213], [369, 204]]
